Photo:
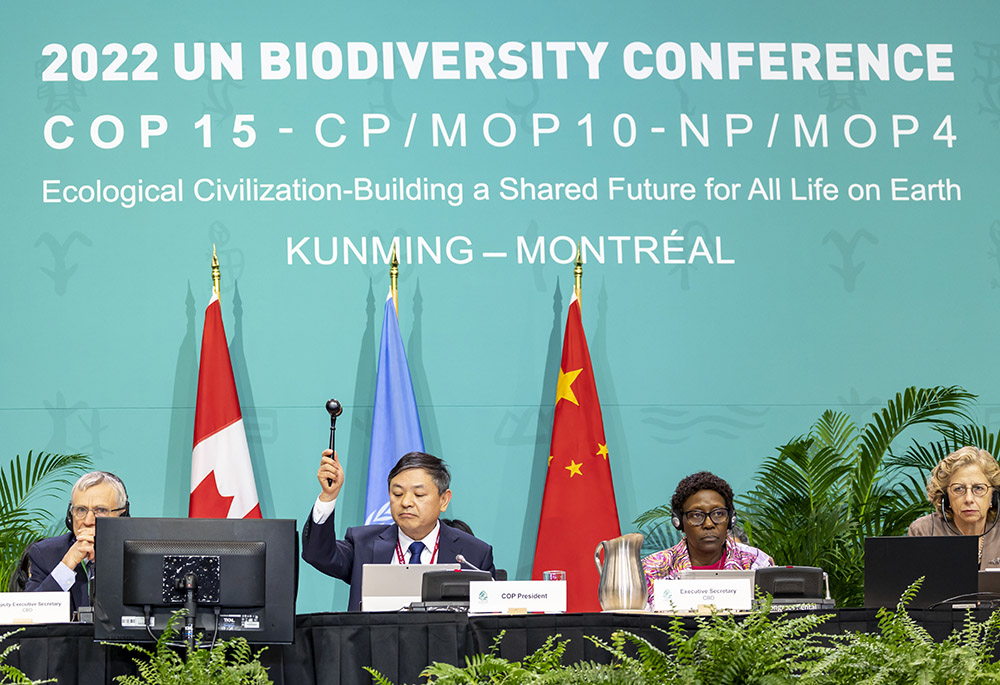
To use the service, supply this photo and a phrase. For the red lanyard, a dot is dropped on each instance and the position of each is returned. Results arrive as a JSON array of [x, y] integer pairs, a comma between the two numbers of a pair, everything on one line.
[[717, 566], [399, 550]]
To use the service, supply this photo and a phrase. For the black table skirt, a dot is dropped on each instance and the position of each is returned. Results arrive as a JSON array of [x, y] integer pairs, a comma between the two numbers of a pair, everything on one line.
[[332, 648]]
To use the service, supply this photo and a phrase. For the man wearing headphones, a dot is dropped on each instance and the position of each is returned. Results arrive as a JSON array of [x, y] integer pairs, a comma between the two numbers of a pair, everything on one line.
[[704, 513], [66, 563]]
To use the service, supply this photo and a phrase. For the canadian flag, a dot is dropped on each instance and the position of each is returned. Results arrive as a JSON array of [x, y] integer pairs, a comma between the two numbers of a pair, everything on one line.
[[222, 483]]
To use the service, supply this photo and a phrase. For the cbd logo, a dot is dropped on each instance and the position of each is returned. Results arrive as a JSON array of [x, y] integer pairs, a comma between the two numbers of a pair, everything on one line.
[[483, 596]]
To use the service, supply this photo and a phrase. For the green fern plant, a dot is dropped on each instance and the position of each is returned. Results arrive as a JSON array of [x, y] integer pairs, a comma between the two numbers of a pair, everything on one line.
[[9, 675], [590, 673], [25, 487], [903, 652], [227, 662], [544, 665], [641, 659], [757, 648]]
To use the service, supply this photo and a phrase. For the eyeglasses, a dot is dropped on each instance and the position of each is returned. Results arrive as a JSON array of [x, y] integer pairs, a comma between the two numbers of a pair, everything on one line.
[[80, 512], [696, 517], [978, 489]]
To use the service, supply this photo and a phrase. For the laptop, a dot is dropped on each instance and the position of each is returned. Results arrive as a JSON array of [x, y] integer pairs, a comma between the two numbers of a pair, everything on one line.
[[391, 587], [989, 582], [717, 574], [949, 565]]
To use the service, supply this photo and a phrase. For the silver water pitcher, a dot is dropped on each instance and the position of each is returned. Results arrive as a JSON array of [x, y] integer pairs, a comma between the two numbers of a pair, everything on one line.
[[623, 584]]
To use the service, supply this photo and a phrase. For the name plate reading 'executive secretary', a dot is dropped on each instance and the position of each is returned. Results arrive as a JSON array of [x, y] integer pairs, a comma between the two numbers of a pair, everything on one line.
[[509, 596], [688, 595], [34, 607]]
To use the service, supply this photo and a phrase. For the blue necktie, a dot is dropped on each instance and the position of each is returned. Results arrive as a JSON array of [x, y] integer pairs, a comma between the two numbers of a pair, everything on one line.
[[416, 549]]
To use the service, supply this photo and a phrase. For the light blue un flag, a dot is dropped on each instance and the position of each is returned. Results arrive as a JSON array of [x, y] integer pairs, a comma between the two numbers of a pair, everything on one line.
[[395, 424]]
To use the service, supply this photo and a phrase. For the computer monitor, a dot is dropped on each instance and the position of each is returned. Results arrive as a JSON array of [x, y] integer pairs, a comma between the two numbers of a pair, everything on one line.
[[243, 574], [948, 564]]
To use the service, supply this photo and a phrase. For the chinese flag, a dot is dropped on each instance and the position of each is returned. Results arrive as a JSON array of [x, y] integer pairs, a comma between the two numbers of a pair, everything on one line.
[[222, 483], [578, 507]]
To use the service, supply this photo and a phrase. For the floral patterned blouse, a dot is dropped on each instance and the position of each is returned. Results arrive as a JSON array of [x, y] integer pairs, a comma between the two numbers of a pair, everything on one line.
[[669, 563]]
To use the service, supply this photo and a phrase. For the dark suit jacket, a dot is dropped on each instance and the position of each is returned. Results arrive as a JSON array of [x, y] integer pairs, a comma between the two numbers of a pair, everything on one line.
[[44, 556], [345, 559]]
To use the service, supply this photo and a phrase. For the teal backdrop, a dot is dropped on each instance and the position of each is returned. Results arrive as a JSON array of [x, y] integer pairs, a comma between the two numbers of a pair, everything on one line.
[[722, 320]]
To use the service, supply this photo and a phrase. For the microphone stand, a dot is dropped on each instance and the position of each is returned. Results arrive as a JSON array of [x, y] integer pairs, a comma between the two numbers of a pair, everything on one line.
[[189, 584]]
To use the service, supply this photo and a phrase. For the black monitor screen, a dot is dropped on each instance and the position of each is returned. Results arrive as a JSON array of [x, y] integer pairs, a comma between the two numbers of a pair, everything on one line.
[[242, 573], [949, 565]]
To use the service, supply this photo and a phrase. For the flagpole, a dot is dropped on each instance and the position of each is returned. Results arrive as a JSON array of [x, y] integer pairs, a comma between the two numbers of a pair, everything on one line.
[[578, 274], [393, 277], [215, 272]]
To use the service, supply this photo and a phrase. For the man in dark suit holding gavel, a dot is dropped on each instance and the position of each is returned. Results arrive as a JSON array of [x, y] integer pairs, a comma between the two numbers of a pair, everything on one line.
[[419, 492]]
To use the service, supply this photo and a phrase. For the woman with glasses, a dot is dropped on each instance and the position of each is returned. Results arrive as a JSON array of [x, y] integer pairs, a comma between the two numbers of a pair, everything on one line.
[[704, 513], [962, 488]]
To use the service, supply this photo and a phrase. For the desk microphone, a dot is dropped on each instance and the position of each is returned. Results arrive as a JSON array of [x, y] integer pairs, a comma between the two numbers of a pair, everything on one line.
[[462, 560], [336, 409]]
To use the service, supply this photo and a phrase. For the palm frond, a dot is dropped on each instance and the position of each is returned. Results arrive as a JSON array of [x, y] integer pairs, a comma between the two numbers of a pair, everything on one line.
[[922, 458], [835, 430], [912, 407], [956, 437], [653, 516], [41, 475]]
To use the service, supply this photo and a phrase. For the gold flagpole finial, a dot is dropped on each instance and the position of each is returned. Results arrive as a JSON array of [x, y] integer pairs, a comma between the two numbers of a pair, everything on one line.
[[578, 274], [394, 277], [215, 272]]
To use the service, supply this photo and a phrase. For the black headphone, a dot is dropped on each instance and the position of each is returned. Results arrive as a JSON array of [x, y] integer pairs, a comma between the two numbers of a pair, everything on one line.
[[994, 504], [109, 476], [679, 524]]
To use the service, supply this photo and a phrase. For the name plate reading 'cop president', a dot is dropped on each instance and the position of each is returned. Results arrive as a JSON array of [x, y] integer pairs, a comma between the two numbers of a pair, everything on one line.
[[679, 596], [517, 596]]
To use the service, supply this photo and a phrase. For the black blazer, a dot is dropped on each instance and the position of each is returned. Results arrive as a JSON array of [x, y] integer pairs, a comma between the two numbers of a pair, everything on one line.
[[44, 556], [345, 559]]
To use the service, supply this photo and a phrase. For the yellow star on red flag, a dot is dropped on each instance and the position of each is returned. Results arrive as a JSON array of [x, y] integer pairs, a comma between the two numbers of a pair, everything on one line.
[[602, 451], [574, 469], [564, 388]]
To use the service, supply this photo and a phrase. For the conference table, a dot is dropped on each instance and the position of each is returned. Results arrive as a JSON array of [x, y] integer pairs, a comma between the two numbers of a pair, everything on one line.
[[333, 648]]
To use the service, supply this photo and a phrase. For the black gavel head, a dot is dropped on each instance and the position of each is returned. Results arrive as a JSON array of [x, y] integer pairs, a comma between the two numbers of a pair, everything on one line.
[[335, 408]]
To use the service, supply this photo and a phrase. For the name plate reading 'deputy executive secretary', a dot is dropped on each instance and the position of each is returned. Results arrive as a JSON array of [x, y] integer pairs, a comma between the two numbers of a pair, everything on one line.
[[34, 607]]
